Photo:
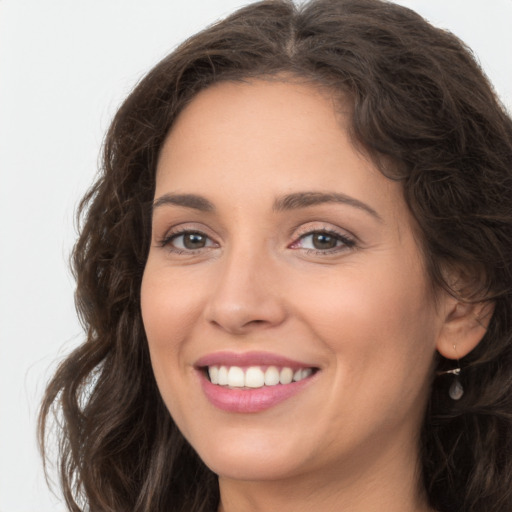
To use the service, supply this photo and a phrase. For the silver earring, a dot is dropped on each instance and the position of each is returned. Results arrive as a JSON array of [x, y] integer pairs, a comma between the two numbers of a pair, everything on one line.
[[456, 390]]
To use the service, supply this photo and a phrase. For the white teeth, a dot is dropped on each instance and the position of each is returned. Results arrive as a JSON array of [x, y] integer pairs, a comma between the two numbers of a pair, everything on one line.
[[303, 373], [271, 376], [236, 377], [213, 373], [223, 376], [306, 372], [254, 376], [286, 376]]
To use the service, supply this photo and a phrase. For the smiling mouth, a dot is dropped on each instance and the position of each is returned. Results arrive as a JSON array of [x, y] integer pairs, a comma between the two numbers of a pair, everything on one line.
[[254, 377]]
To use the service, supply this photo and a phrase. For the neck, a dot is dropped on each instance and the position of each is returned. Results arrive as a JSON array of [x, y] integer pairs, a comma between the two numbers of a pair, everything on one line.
[[390, 483]]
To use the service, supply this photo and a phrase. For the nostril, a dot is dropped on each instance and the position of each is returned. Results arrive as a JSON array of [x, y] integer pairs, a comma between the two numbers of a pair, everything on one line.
[[239, 315], [241, 327]]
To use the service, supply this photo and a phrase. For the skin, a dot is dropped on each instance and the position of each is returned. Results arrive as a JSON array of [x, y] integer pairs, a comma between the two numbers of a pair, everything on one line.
[[363, 312]]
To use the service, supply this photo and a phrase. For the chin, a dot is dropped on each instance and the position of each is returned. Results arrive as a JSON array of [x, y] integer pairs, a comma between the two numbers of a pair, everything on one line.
[[253, 458], [250, 466]]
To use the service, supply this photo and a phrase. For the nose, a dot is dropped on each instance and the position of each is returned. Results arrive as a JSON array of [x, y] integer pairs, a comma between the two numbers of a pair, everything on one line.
[[246, 295]]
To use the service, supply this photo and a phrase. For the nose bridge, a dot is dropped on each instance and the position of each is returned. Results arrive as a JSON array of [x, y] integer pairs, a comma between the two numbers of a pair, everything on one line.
[[245, 294]]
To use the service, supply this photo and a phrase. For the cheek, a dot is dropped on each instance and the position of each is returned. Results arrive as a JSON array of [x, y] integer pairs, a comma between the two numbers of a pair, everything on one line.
[[168, 308], [168, 313], [381, 338], [377, 321]]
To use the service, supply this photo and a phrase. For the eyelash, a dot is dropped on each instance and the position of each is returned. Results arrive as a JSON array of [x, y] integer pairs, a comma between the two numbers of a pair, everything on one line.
[[167, 240], [346, 241]]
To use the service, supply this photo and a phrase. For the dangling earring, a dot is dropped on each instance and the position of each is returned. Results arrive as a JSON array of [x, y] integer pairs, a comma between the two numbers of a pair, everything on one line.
[[456, 390]]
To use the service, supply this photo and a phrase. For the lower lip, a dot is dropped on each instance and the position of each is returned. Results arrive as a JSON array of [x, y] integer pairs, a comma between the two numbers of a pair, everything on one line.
[[251, 400]]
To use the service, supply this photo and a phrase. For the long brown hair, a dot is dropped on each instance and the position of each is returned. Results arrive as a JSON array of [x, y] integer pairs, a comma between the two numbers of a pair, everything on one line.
[[425, 112]]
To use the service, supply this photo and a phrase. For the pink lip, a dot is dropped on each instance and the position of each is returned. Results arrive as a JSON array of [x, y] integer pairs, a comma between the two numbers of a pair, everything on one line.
[[248, 359], [249, 400]]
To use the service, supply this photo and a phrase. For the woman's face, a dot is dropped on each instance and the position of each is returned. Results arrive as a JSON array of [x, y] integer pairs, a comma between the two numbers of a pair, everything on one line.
[[279, 249]]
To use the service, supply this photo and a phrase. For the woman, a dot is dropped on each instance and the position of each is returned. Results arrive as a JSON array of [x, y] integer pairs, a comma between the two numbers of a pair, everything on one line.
[[295, 276]]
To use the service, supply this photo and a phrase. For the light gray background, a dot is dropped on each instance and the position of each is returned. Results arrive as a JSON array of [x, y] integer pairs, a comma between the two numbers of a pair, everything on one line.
[[65, 65]]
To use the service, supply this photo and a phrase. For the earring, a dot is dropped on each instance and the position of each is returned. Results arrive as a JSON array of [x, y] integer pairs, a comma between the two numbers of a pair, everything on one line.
[[456, 390]]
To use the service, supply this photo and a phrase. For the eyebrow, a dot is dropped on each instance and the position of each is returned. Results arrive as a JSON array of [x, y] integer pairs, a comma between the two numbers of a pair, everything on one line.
[[186, 200], [288, 202], [306, 199]]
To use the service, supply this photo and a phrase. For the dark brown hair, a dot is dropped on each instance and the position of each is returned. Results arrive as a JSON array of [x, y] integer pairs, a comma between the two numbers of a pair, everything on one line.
[[421, 104]]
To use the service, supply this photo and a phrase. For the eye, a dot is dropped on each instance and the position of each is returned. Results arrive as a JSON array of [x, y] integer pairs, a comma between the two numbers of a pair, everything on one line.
[[319, 241], [323, 241], [187, 241]]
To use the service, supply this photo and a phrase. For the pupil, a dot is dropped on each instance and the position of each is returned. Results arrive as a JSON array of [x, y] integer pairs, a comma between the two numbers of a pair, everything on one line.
[[323, 241], [194, 241]]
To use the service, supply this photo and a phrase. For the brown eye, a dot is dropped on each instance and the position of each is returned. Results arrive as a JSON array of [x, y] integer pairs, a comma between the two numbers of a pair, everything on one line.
[[194, 240], [188, 241], [323, 241]]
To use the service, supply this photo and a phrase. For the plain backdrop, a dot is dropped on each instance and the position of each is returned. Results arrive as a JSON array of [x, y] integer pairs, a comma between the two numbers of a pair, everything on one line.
[[65, 66]]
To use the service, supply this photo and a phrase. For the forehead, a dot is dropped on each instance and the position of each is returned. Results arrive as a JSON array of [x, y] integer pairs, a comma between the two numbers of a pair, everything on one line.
[[243, 109], [262, 137]]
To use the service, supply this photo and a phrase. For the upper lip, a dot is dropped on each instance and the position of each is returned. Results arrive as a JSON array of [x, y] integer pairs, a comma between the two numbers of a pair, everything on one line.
[[249, 359]]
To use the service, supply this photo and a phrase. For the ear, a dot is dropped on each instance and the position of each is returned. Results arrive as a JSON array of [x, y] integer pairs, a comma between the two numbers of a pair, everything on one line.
[[465, 324]]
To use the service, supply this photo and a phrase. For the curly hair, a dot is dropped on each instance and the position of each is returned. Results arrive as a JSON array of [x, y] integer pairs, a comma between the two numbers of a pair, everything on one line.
[[425, 112]]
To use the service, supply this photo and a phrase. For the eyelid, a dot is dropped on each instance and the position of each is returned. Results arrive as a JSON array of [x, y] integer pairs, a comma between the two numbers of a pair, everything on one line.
[[318, 226], [169, 230]]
